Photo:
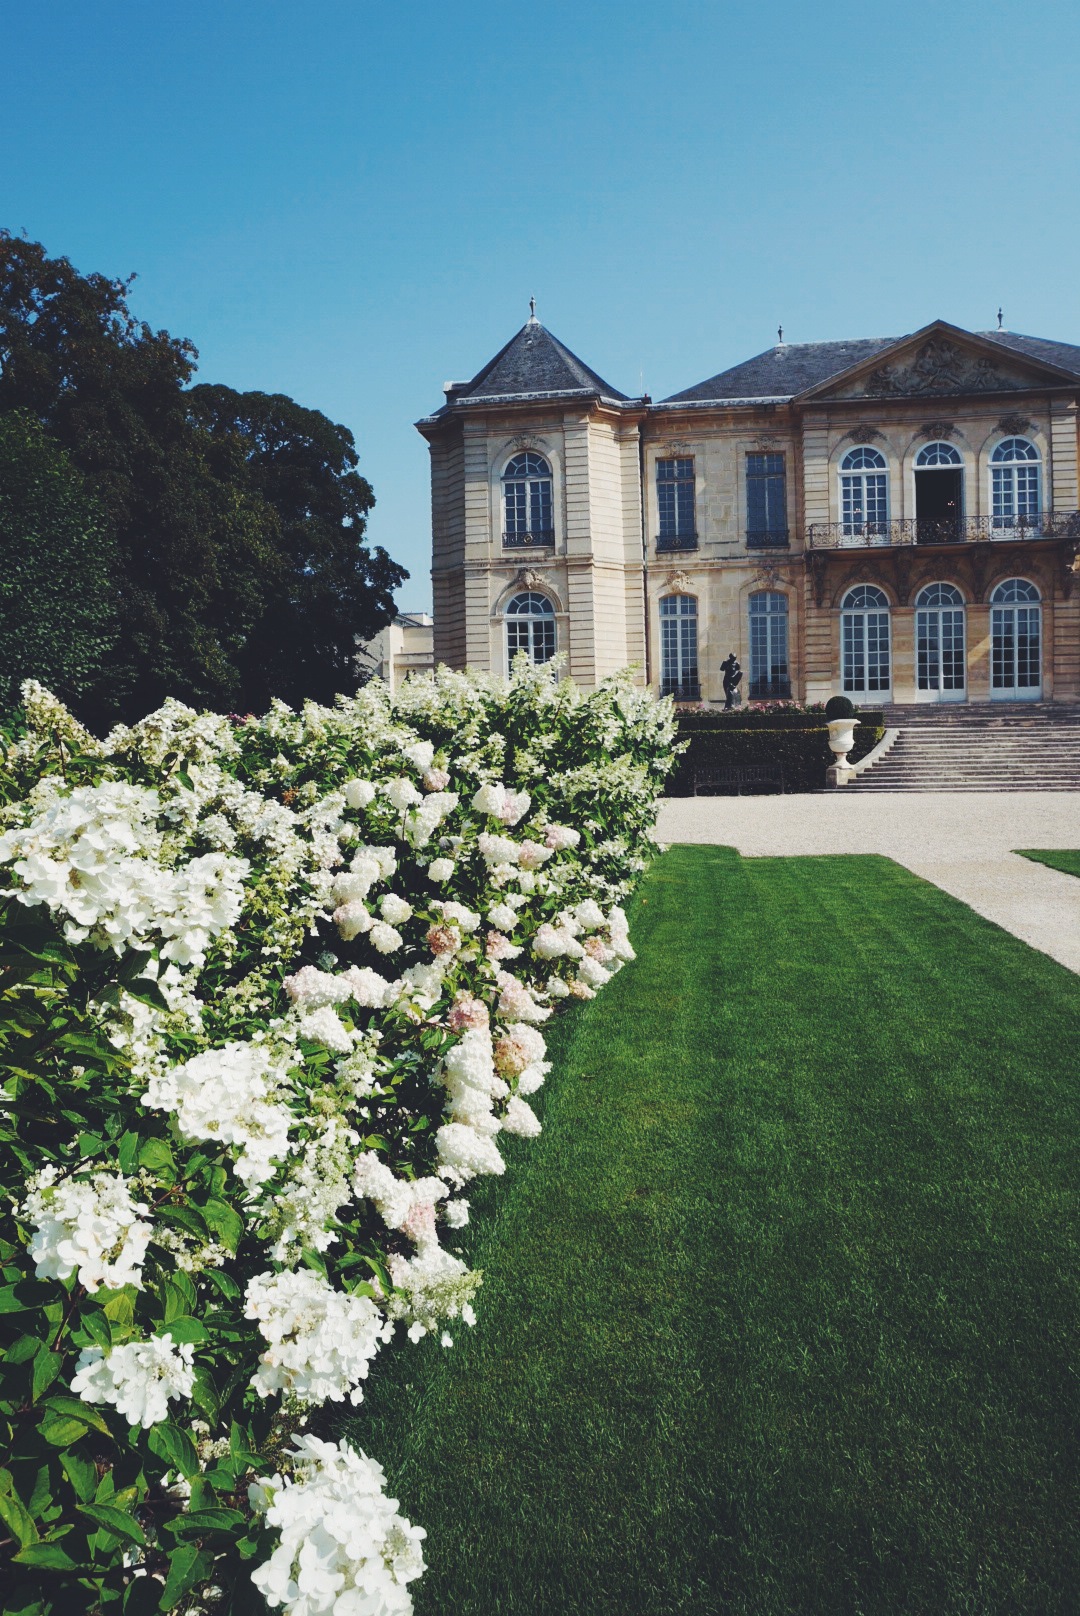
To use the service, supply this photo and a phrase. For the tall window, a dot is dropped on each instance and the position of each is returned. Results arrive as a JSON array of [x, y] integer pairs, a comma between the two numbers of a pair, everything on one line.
[[864, 641], [1016, 642], [766, 500], [1014, 473], [527, 501], [678, 647], [769, 646], [675, 502], [864, 493], [939, 642], [530, 627]]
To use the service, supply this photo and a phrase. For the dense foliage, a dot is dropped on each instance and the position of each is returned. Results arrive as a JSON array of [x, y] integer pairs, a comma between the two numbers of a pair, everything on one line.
[[271, 991], [238, 518], [57, 567], [803, 753]]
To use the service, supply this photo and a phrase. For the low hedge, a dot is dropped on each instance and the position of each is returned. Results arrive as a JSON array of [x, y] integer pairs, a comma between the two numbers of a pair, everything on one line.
[[756, 718], [802, 753]]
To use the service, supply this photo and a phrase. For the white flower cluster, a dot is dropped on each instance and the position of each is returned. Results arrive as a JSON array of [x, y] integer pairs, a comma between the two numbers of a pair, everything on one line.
[[138, 1377], [93, 855], [89, 1226], [230, 1094], [320, 1341], [343, 1549]]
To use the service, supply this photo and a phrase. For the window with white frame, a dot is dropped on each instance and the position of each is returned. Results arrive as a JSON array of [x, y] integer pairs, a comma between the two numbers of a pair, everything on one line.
[[675, 495], [527, 505], [1014, 477], [769, 678], [1016, 641], [864, 641], [679, 647], [864, 492], [530, 627], [938, 454]]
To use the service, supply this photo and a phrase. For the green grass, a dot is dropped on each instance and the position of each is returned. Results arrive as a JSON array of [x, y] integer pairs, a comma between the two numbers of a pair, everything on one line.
[[1062, 859], [781, 1312]]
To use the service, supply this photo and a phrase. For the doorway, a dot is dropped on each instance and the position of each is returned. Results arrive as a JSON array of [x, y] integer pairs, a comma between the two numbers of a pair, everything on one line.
[[939, 494]]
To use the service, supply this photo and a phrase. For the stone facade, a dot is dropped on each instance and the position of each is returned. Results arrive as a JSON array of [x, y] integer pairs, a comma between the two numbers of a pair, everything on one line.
[[965, 449]]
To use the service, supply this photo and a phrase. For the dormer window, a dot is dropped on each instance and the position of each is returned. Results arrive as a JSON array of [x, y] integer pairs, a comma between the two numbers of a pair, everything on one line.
[[527, 504]]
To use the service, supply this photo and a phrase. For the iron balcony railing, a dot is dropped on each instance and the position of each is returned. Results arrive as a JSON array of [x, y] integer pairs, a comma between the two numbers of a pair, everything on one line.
[[689, 690], [776, 688], [676, 541], [767, 538], [943, 530], [528, 541]]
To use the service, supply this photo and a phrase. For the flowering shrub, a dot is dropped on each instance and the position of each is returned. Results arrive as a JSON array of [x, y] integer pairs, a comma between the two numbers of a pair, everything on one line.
[[272, 989]]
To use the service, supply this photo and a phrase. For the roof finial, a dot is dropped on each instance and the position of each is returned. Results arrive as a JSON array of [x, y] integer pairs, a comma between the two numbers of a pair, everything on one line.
[[532, 308], [780, 335], [1000, 318]]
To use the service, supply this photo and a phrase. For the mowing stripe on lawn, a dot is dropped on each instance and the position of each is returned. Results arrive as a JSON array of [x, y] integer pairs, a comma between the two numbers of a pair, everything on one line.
[[780, 1311]]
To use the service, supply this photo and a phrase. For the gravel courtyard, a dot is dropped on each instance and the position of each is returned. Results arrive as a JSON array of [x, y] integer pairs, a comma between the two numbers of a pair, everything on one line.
[[961, 841]]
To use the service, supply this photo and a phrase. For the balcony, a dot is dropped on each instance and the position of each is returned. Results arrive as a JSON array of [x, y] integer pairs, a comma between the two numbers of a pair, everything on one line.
[[771, 688], [913, 530], [767, 539], [689, 690], [543, 537], [675, 541]]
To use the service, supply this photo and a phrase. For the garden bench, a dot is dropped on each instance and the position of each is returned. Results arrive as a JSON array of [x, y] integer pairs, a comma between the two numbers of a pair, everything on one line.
[[734, 776]]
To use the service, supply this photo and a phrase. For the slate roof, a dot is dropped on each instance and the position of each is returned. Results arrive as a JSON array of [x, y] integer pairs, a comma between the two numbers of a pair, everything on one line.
[[533, 364], [790, 368]]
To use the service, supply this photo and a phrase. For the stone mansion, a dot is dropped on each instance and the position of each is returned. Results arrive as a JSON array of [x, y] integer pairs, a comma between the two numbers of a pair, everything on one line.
[[894, 518]]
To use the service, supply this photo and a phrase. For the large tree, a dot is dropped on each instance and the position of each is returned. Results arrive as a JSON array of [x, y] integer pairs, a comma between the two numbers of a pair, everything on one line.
[[58, 616], [239, 519]]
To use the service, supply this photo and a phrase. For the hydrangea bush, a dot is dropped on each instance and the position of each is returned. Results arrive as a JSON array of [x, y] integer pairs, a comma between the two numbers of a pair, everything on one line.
[[272, 990]]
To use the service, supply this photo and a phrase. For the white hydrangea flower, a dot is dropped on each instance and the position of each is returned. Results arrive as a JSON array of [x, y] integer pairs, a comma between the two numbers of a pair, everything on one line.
[[440, 870], [228, 1095], [497, 850], [456, 914], [358, 880], [590, 915], [352, 919], [503, 916], [320, 1341], [138, 1378], [368, 988], [385, 938], [556, 988], [395, 909], [464, 1153], [495, 799], [89, 1226], [424, 821], [591, 971], [520, 1118], [343, 1550], [385, 859], [420, 754], [429, 1287], [561, 837], [318, 1186], [359, 793], [310, 989], [456, 1213], [402, 794], [324, 1026], [402, 1203]]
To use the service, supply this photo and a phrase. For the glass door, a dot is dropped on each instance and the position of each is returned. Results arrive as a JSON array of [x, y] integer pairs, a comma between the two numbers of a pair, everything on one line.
[[940, 661]]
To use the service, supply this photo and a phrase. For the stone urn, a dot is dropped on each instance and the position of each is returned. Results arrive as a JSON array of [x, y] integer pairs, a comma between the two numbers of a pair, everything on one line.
[[841, 738]]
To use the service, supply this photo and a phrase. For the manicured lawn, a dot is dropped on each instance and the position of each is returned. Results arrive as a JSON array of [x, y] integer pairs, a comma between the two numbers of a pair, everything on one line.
[[1062, 859], [782, 1311]]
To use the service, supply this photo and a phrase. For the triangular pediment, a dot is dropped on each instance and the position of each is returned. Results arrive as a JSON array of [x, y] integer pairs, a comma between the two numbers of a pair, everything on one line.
[[941, 361]]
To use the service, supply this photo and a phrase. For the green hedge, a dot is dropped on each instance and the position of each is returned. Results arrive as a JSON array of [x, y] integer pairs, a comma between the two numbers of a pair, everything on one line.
[[780, 717], [802, 753]]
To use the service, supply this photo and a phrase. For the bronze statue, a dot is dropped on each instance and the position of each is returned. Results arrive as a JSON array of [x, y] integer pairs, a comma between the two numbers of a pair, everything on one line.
[[732, 679]]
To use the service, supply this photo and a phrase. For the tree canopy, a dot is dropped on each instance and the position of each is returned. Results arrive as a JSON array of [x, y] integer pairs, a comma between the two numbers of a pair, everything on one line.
[[238, 518], [58, 618]]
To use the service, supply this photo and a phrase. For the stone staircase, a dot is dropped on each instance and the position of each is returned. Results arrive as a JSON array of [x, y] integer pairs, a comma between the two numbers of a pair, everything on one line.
[[979, 747]]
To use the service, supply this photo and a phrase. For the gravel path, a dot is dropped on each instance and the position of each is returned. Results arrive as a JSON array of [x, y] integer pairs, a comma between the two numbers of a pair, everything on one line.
[[961, 841]]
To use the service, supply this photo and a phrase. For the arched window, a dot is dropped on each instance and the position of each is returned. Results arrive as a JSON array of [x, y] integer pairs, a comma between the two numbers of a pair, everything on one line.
[[1016, 642], [679, 648], [527, 507], [940, 662], [864, 494], [938, 454], [866, 667], [769, 646], [530, 627], [1014, 477]]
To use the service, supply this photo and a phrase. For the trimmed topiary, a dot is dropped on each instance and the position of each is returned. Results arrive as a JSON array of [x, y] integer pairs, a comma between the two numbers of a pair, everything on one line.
[[839, 707]]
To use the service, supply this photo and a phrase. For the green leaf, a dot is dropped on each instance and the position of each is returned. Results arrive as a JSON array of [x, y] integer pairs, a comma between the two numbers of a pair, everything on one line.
[[47, 1555], [172, 1444], [188, 1564], [47, 1366], [156, 1156], [225, 1221], [120, 1308], [185, 1329], [116, 1521], [81, 1473], [22, 1350], [62, 1430], [75, 1408], [198, 1521], [128, 1152], [17, 1518]]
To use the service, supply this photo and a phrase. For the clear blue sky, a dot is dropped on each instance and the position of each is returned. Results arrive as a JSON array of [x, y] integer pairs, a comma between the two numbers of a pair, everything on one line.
[[351, 202]]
